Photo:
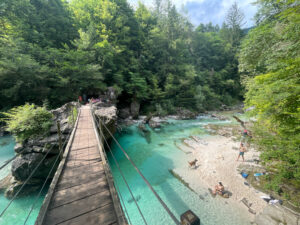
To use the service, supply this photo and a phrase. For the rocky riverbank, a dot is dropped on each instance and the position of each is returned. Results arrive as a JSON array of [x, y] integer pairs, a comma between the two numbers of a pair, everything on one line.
[[32, 151]]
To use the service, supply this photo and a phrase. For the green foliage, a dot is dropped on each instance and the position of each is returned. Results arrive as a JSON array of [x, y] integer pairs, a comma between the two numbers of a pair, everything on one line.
[[73, 115], [28, 121], [57, 50], [270, 56]]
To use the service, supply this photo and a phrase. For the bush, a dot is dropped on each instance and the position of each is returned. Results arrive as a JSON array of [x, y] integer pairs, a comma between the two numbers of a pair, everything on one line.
[[73, 115], [28, 121]]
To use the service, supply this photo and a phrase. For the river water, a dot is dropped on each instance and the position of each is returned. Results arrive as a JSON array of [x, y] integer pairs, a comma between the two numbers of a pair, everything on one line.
[[155, 156], [20, 207]]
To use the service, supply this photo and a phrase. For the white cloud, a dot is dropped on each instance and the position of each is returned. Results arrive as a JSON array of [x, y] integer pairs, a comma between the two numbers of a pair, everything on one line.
[[204, 11]]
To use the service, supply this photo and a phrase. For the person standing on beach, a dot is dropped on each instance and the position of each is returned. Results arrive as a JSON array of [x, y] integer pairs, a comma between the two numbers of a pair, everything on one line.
[[241, 153]]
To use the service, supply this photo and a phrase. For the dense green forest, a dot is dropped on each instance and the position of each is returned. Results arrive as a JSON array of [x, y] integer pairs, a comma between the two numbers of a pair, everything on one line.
[[52, 51], [270, 61]]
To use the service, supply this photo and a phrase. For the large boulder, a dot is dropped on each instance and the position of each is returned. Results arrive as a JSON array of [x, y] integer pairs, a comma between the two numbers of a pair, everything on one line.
[[135, 109], [32, 186], [33, 151], [154, 122], [64, 112], [108, 116], [185, 114], [24, 165]]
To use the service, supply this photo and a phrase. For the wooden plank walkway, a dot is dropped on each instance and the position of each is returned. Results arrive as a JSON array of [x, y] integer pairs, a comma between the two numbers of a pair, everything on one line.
[[83, 193]]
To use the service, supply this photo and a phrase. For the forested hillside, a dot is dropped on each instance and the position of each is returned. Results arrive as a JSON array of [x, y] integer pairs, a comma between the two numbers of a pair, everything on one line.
[[54, 50]]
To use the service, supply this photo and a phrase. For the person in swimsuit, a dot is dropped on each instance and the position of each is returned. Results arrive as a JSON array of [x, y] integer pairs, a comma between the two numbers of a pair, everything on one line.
[[241, 153], [219, 189]]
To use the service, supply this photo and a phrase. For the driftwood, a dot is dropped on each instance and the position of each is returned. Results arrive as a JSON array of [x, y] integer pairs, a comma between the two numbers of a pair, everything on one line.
[[248, 205], [240, 121]]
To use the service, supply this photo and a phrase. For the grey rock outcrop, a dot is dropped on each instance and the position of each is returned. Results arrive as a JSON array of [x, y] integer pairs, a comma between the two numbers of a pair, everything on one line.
[[154, 122], [24, 165], [108, 116], [185, 114], [33, 151]]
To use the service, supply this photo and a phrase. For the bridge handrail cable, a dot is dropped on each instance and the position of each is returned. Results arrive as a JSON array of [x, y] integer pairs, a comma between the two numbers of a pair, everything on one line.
[[45, 182], [32, 173], [123, 177], [143, 177]]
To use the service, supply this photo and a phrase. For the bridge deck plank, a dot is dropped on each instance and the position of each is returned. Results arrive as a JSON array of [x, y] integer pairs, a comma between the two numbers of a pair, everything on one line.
[[82, 194]]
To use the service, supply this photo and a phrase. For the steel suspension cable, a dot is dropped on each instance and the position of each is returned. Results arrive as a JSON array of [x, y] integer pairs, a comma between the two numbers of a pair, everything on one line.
[[44, 184], [101, 133], [125, 183], [9, 160], [121, 197], [122, 201], [23, 185], [145, 180]]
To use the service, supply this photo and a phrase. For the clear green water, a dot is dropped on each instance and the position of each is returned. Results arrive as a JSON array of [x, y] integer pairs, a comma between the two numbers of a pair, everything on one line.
[[19, 209], [155, 158]]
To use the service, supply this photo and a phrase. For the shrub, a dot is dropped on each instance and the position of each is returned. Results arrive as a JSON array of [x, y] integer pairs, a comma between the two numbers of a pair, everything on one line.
[[28, 121], [73, 115]]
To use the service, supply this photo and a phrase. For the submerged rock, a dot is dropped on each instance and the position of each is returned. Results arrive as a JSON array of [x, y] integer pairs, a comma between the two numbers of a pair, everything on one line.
[[143, 131], [5, 182]]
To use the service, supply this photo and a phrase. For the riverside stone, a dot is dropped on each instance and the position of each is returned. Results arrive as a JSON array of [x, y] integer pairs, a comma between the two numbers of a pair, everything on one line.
[[24, 165], [185, 114], [33, 150], [154, 122]]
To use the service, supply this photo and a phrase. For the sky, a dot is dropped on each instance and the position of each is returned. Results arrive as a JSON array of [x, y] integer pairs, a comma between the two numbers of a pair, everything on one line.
[[205, 11]]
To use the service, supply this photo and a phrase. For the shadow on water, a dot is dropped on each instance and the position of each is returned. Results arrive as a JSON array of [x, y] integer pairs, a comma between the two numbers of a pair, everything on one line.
[[174, 199]]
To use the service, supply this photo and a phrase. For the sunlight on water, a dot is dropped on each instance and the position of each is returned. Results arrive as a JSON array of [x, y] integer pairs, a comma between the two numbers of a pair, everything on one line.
[[155, 156], [19, 209]]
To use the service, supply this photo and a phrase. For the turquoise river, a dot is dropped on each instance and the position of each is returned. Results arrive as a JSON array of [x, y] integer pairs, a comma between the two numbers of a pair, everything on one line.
[[19, 209], [155, 156]]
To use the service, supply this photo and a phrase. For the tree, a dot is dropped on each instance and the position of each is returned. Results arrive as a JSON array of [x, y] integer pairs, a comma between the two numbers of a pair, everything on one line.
[[270, 58], [235, 20]]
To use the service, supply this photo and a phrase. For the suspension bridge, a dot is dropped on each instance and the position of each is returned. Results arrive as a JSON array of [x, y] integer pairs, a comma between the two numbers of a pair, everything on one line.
[[82, 190]]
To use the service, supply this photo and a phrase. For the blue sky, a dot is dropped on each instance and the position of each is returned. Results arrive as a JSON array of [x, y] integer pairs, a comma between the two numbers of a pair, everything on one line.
[[205, 11]]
